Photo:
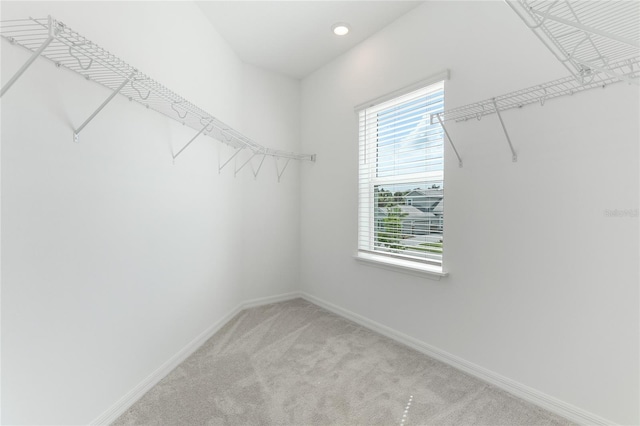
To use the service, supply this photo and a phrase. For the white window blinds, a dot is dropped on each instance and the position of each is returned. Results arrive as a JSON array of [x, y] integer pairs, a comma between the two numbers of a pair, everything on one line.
[[401, 181]]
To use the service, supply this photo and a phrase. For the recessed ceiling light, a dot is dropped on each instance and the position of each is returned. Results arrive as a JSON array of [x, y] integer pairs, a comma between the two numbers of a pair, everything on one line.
[[340, 28]]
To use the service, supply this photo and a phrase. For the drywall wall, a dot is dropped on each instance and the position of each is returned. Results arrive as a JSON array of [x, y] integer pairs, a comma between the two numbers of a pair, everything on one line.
[[113, 258], [271, 210], [543, 285]]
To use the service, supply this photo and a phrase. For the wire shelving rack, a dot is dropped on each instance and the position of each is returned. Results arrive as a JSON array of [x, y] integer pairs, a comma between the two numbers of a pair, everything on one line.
[[66, 48], [597, 41], [540, 93], [585, 36]]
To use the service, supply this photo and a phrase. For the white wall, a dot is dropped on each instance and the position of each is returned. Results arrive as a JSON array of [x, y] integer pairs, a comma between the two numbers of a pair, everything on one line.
[[113, 258], [271, 209], [543, 288]]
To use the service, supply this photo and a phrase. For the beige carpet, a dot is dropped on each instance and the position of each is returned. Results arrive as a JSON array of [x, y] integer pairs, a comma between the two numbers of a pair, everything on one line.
[[293, 363]]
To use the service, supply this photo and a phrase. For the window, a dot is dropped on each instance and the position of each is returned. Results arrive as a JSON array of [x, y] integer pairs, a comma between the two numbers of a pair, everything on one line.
[[401, 179]]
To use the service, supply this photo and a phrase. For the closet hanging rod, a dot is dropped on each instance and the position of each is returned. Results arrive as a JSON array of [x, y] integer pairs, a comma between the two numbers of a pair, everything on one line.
[[53, 40]]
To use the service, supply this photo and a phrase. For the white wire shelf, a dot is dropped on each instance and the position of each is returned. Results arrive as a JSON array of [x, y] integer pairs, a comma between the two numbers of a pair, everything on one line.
[[597, 41], [585, 36], [629, 68], [541, 93], [66, 48]]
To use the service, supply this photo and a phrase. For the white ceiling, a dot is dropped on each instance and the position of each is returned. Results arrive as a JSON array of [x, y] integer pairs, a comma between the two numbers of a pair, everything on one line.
[[294, 37]]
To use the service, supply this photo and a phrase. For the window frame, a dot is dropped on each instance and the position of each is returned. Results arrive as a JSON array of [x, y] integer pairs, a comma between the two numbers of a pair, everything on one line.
[[414, 266]]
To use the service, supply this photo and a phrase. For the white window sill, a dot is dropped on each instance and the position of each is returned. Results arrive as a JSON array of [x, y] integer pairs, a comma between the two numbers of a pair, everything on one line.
[[401, 265]]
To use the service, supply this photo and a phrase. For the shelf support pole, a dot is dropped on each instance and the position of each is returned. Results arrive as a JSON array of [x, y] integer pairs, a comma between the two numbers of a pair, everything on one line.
[[230, 158], [255, 174], [235, 173], [514, 156], [104, 104], [52, 34], [192, 139], [449, 139], [281, 172]]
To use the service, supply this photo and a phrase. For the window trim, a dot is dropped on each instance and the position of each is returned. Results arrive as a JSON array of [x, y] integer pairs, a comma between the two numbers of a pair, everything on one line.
[[413, 267], [401, 265], [432, 79]]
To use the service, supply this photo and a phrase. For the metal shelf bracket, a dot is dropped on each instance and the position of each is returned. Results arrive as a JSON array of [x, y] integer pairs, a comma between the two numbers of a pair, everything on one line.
[[448, 137], [229, 160], [255, 174], [235, 173], [104, 104], [281, 172], [192, 139], [54, 30], [514, 156]]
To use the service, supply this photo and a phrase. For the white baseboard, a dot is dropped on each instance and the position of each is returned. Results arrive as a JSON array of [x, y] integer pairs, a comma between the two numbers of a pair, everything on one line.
[[524, 392], [123, 404], [270, 299]]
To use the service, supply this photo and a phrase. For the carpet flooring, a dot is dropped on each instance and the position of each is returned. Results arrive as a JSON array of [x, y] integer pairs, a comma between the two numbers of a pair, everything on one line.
[[293, 363]]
